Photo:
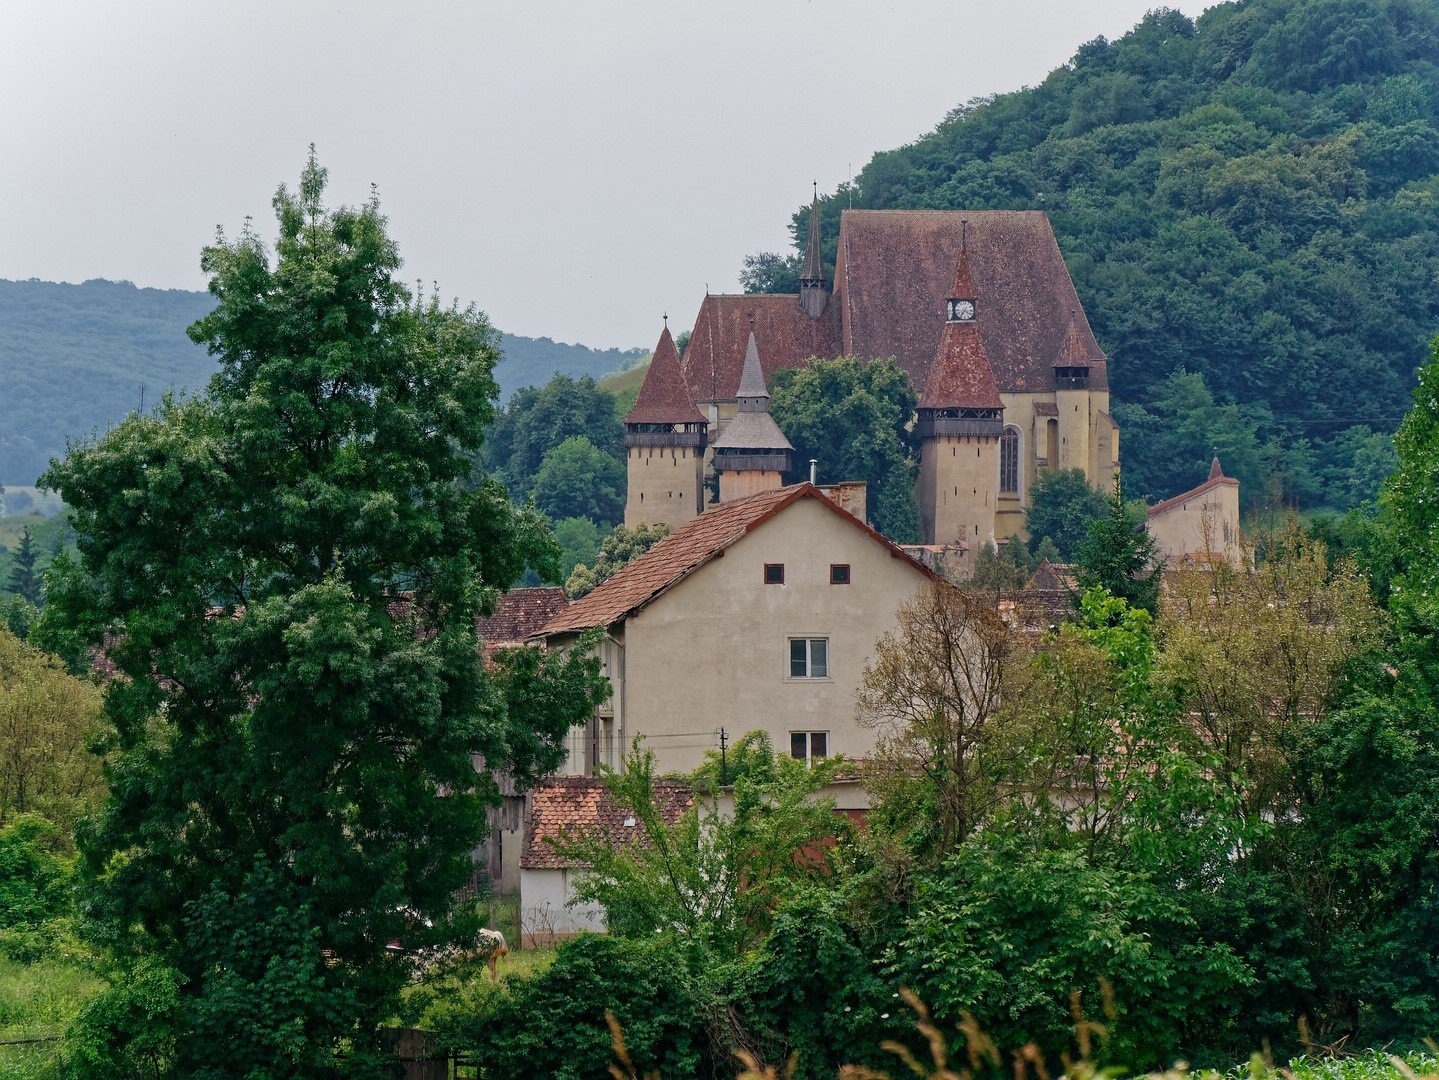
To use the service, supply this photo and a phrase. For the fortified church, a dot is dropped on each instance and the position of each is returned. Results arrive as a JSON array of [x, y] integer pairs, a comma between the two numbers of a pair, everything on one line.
[[976, 306]]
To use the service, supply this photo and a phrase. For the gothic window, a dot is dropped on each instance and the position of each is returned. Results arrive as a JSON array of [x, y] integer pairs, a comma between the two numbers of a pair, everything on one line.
[[1009, 461]]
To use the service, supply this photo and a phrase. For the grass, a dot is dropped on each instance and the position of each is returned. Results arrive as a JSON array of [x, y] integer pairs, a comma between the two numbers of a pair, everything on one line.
[[38, 1002]]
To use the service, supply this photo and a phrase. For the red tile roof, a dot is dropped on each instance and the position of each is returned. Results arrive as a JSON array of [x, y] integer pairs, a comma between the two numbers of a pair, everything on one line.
[[664, 398], [961, 376], [582, 804], [894, 270], [519, 614], [787, 338], [1077, 351], [687, 549], [1216, 479]]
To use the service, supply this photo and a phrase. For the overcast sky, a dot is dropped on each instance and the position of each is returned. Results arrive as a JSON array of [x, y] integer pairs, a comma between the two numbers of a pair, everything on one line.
[[575, 169]]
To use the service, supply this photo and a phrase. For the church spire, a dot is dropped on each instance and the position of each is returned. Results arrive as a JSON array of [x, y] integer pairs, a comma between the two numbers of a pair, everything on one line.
[[751, 453], [812, 293]]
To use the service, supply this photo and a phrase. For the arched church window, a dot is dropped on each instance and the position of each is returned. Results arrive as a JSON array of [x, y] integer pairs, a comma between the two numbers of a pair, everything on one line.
[[1009, 461]]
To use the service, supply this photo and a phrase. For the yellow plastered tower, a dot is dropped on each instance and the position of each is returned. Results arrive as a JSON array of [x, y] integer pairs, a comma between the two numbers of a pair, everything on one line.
[[961, 420], [751, 454], [665, 436]]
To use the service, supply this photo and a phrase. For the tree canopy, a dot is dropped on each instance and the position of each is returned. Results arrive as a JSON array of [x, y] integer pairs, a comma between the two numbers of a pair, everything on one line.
[[286, 571]]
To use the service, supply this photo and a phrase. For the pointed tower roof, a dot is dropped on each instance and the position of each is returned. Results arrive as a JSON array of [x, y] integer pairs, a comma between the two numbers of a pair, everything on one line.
[[664, 397], [813, 268], [1075, 351], [752, 427], [751, 378], [1216, 472], [961, 376]]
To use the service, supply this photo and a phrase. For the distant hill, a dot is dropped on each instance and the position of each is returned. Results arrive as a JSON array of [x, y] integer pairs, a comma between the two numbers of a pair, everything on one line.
[[74, 359], [1252, 197]]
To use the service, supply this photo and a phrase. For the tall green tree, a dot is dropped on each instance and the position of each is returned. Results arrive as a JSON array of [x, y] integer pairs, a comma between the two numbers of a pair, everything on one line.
[[853, 418], [286, 571], [25, 580], [1061, 507], [539, 418], [1119, 555], [578, 480]]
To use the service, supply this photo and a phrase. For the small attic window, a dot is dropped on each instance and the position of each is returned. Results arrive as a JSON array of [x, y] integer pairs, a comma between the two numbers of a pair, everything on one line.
[[839, 573], [774, 573]]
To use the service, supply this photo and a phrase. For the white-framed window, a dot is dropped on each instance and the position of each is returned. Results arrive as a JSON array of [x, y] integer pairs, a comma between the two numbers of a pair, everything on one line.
[[809, 658], [808, 745]]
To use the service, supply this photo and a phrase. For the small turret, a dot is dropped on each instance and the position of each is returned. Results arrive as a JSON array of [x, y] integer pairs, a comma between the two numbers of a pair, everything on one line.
[[813, 288], [751, 454], [665, 436]]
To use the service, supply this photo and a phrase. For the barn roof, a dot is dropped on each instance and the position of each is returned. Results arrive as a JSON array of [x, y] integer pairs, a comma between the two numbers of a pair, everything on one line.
[[576, 805]]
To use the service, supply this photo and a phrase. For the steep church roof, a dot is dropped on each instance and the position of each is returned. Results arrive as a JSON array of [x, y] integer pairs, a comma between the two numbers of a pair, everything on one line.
[[664, 398], [715, 354], [961, 376], [894, 269], [813, 268], [1076, 350]]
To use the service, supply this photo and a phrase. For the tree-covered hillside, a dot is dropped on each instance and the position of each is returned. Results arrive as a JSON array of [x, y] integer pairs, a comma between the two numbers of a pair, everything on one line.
[[73, 359], [1251, 197]]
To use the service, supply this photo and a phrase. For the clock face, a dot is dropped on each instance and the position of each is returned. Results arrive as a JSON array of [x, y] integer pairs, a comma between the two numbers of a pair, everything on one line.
[[961, 310]]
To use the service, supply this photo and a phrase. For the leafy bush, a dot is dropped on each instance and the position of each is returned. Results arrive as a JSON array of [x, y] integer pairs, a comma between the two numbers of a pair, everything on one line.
[[554, 1023]]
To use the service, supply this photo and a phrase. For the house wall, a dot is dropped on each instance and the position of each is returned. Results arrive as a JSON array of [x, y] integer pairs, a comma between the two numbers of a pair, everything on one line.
[[666, 485], [713, 652], [1206, 523], [544, 896]]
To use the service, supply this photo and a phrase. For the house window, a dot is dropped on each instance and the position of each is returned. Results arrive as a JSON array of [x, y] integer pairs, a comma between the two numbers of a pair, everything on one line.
[[839, 573], [808, 745], [1009, 461], [774, 573], [809, 658]]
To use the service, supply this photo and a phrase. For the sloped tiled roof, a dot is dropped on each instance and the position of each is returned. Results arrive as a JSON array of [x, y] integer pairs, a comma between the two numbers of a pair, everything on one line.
[[582, 804], [961, 376], [664, 398], [894, 270], [1048, 577], [687, 549], [787, 338], [1078, 349], [813, 268], [519, 614], [1216, 479]]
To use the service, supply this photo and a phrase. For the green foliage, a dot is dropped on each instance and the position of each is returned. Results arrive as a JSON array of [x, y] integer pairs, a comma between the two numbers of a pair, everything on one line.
[[620, 548], [710, 878], [1119, 555], [1410, 498], [577, 480], [132, 1029], [47, 720], [553, 1024], [24, 579], [768, 272], [286, 573], [853, 418], [538, 419], [1061, 507], [1006, 934], [36, 877], [579, 540]]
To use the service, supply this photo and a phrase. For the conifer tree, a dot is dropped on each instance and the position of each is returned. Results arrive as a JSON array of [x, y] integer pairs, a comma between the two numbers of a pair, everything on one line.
[[25, 580]]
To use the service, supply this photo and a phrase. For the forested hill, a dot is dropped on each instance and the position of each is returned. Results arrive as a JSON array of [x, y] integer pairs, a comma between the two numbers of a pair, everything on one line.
[[73, 358], [1251, 197]]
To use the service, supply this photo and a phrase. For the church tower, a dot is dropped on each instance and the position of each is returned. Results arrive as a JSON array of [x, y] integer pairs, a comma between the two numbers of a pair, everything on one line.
[[961, 420], [1088, 438], [665, 439], [813, 294], [751, 454]]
